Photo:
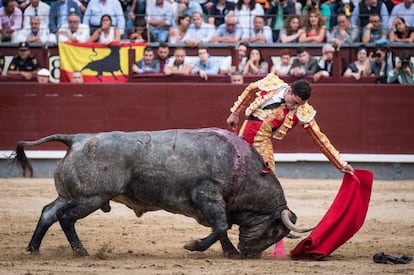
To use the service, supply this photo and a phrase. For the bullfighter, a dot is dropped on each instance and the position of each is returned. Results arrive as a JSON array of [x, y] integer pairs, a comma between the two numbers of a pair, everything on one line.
[[272, 108]]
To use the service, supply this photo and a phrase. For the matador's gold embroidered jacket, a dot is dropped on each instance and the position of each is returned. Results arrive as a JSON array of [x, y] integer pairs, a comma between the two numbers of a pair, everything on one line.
[[261, 123]]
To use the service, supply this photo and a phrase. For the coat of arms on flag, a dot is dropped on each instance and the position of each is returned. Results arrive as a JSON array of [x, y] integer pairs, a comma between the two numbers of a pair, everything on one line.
[[96, 61]]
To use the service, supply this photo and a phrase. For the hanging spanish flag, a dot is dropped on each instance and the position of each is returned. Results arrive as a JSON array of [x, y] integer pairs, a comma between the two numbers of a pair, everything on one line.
[[96, 61]]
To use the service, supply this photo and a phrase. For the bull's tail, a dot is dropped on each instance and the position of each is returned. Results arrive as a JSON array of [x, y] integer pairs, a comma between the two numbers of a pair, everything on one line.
[[20, 157]]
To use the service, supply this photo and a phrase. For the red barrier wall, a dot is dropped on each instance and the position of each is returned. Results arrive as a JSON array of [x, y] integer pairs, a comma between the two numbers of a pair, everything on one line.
[[369, 118]]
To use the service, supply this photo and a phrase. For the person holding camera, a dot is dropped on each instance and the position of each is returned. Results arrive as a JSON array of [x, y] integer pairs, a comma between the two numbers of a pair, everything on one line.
[[403, 71], [379, 64]]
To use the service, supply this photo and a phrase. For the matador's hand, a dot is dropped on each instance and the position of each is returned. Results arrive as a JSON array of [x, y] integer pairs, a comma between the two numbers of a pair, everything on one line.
[[348, 169], [232, 121]]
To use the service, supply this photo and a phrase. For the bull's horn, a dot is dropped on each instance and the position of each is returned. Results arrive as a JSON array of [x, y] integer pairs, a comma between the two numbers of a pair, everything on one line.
[[288, 223]]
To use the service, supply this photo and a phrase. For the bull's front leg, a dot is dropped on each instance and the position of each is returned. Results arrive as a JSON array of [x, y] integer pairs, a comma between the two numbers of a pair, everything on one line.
[[229, 250], [47, 218], [77, 209], [209, 200]]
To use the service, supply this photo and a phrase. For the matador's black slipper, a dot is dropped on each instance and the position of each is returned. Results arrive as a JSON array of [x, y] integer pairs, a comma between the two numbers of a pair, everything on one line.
[[382, 258]]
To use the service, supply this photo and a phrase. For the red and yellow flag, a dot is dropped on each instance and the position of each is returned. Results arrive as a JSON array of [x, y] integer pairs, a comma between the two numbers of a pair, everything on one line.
[[97, 62]]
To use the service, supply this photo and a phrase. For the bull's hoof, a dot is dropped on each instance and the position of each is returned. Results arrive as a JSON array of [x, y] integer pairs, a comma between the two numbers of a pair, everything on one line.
[[80, 251], [106, 207], [250, 256], [32, 250], [234, 254], [193, 245]]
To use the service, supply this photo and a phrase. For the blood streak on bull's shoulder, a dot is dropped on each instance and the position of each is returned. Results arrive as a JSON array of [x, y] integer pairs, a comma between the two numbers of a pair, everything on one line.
[[239, 165]]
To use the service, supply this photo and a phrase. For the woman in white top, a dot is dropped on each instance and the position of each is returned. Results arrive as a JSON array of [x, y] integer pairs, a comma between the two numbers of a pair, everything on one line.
[[178, 31], [106, 33], [245, 12]]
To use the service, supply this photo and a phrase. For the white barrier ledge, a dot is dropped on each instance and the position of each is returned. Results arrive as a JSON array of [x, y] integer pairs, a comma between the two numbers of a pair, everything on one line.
[[280, 157], [379, 158]]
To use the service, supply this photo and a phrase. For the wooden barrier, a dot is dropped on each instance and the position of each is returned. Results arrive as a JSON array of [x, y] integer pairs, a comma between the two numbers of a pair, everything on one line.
[[361, 119]]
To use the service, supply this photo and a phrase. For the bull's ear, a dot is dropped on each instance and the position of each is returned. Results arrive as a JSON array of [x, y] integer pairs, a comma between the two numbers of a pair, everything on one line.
[[293, 217], [277, 213], [275, 216]]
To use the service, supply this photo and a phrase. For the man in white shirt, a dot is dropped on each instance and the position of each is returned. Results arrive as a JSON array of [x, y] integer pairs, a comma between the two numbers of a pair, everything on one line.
[[73, 31], [39, 9], [160, 17], [34, 34], [179, 64]]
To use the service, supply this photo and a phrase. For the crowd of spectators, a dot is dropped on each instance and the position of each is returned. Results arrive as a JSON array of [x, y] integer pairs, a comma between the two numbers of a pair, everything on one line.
[[194, 23], [259, 21]]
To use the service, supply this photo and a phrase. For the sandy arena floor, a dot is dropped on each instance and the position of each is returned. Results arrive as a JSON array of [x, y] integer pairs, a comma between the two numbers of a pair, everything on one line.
[[120, 243]]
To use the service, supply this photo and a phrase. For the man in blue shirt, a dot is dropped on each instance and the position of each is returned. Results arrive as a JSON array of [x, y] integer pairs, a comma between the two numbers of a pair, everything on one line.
[[228, 32], [205, 65], [199, 31], [259, 33], [97, 8], [188, 7], [59, 13]]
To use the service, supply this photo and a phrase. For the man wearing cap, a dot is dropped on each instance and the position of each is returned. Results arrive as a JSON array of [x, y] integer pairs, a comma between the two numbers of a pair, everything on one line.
[[43, 76], [24, 64]]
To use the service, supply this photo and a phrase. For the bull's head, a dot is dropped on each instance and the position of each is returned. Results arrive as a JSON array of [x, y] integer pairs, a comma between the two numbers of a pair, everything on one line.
[[254, 239]]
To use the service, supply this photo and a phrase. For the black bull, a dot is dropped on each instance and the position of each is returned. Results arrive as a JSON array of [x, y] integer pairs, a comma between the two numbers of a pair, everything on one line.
[[208, 174]]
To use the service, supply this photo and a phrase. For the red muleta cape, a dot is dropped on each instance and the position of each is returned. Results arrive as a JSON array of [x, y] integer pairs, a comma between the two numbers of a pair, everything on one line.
[[342, 220]]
